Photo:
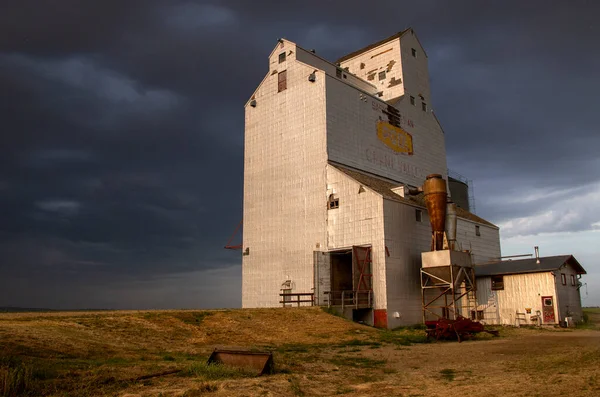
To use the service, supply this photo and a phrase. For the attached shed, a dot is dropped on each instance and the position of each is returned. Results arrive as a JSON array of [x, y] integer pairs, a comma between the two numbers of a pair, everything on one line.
[[529, 291]]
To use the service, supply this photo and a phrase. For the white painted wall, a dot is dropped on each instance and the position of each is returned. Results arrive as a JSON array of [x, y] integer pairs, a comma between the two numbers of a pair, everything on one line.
[[317, 62], [384, 58], [352, 137], [521, 291], [358, 221], [484, 247], [284, 182], [406, 239]]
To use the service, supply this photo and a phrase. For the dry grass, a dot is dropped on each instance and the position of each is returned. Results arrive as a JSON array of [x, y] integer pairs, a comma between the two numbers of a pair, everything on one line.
[[102, 353]]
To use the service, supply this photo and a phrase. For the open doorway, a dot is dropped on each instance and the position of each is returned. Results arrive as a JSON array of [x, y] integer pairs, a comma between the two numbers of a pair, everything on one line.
[[341, 270]]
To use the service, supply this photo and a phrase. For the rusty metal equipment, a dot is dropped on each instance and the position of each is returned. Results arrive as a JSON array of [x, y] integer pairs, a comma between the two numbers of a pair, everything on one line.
[[435, 193], [462, 328], [261, 362]]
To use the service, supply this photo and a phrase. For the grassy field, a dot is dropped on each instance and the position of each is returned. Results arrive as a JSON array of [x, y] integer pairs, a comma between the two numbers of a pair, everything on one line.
[[315, 353]]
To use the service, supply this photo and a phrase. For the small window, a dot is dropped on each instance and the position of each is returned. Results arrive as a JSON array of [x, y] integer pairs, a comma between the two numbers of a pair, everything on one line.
[[334, 202], [497, 283], [381, 75], [362, 66], [573, 280], [414, 52], [479, 314], [338, 73], [412, 100], [477, 231], [282, 81], [424, 106], [419, 215], [345, 76], [563, 278], [282, 57]]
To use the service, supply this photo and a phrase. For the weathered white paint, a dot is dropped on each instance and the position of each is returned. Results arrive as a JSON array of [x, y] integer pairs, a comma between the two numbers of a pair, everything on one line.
[[284, 182], [291, 135], [521, 291], [358, 221]]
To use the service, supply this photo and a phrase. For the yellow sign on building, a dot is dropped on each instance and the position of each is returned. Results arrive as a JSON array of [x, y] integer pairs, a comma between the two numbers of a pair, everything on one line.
[[395, 138]]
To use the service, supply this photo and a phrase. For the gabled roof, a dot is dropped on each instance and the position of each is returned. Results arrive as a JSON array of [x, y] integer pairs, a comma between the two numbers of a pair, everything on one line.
[[371, 46], [529, 265], [384, 187]]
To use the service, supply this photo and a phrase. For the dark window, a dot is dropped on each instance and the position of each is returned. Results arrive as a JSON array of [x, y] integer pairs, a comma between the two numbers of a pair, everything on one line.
[[412, 100], [573, 279], [497, 283], [382, 75], [479, 314], [424, 106], [282, 57], [338, 73], [362, 66], [477, 232], [334, 202], [282, 81], [419, 215], [563, 278], [414, 52], [345, 76]]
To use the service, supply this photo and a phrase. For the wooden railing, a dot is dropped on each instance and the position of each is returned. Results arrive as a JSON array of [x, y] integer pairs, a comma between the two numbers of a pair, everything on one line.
[[301, 297], [357, 299]]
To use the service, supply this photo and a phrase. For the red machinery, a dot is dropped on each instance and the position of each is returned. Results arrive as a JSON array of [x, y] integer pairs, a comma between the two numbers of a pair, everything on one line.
[[460, 329]]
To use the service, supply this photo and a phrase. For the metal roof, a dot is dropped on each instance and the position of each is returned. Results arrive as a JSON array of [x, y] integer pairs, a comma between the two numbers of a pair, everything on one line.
[[371, 46], [529, 265], [384, 187]]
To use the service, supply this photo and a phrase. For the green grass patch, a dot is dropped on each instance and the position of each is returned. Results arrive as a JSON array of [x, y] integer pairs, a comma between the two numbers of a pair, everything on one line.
[[217, 371], [357, 362], [15, 380], [403, 337], [448, 374], [192, 318]]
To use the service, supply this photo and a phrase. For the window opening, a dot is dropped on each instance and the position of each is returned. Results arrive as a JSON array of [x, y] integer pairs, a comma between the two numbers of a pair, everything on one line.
[[424, 106], [334, 202], [381, 75], [573, 279], [414, 52], [477, 231], [338, 73], [282, 57], [282, 81], [362, 66], [419, 215], [412, 100], [563, 278], [497, 283]]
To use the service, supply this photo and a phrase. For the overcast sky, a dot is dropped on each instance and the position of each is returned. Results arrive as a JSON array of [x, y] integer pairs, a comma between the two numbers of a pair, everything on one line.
[[122, 124]]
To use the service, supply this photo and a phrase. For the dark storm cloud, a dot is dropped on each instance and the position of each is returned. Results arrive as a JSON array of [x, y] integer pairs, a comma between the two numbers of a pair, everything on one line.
[[122, 125]]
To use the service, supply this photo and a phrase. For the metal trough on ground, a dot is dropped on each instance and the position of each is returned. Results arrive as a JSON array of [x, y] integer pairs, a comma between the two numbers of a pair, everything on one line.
[[262, 362]]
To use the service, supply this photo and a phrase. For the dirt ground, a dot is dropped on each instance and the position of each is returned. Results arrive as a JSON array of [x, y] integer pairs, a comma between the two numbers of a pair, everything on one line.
[[315, 353]]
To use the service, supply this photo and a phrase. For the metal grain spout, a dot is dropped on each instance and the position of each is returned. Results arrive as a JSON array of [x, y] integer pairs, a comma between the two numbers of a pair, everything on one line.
[[435, 192]]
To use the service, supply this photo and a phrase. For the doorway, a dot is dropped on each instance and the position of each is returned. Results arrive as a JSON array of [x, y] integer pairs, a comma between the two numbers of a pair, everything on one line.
[[548, 310]]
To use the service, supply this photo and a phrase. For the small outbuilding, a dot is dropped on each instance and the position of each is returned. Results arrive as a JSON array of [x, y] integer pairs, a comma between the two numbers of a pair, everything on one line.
[[529, 291]]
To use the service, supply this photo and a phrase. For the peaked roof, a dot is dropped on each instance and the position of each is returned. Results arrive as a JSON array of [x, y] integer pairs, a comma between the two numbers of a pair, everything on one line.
[[529, 265], [384, 187], [371, 46]]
